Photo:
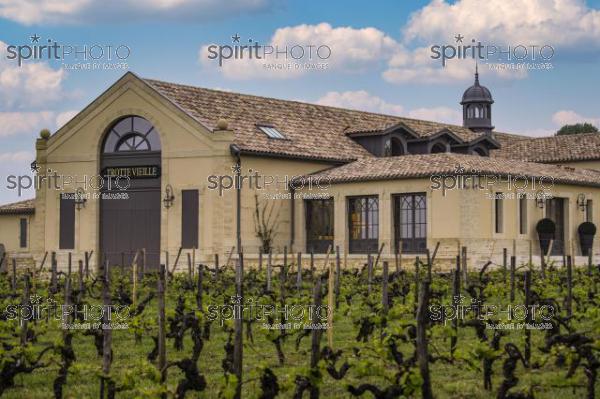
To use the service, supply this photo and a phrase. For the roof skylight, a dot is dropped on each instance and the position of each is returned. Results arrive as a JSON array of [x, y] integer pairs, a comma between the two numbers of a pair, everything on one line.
[[272, 132]]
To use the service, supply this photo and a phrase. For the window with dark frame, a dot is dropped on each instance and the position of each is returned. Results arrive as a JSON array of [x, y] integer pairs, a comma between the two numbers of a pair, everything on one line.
[[189, 218], [66, 239], [589, 211], [319, 224], [363, 224], [499, 212], [523, 214], [23, 233], [410, 222]]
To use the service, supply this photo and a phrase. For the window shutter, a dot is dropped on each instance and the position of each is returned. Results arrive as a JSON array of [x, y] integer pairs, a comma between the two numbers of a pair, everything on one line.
[[67, 222], [189, 219]]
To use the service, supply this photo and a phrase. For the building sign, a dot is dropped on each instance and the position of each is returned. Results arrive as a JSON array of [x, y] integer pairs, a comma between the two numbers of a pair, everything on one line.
[[133, 172]]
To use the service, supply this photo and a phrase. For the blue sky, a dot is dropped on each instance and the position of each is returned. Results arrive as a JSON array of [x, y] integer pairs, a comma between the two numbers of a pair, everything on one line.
[[380, 58]]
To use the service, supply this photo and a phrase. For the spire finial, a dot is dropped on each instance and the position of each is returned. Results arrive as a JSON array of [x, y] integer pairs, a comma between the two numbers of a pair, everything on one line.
[[476, 74]]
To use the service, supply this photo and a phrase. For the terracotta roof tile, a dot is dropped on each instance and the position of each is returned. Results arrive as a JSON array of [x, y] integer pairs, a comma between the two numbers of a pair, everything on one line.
[[415, 166], [576, 147], [314, 131], [18, 208]]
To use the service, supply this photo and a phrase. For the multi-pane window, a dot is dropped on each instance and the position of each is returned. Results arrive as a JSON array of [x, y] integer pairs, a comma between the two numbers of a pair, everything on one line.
[[132, 133], [410, 222], [319, 224], [363, 223]]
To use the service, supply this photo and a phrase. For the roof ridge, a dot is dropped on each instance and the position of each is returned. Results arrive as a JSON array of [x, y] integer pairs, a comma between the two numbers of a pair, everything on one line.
[[402, 118]]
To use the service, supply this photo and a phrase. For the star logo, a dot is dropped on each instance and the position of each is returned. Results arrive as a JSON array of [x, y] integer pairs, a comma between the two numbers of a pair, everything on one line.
[[35, 167], [35, 299], [236, 169], [236, 299], [459, 168], [235, 38], [35, 38], [459, 38]]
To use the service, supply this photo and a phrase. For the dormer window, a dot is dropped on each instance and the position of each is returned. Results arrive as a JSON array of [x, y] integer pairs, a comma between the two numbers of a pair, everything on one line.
[[271, 132]]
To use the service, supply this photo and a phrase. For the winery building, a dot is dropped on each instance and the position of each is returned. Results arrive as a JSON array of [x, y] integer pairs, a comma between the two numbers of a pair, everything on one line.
[[173, 169]]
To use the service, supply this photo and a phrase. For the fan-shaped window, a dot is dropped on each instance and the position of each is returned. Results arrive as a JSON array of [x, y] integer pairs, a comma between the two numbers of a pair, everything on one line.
[[397, 147], [132, 133], [438, 148]]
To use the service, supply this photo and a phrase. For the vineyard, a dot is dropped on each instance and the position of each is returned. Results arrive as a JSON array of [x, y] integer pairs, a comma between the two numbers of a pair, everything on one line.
[[265, 332]]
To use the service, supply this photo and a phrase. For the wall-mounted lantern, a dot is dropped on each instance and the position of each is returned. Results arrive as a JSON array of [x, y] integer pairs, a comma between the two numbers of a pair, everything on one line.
[[581, 202], [540, 199], [169, 196], [80, 199]]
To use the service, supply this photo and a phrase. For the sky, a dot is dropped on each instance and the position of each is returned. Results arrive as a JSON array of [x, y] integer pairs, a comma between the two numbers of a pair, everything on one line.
[[379, 58]]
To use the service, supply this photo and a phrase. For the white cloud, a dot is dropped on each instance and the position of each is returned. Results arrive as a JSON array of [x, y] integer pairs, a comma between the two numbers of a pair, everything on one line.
[[32, 85], [64, 117], [18, 157], [360, 100], [30, 12], [364, 101], [552, 22], [352, 50], [568, 117], [13, 123]]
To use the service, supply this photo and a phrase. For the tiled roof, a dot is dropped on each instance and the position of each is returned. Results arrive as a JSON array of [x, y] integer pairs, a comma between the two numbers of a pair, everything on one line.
[[575, 147], [18, 208], [314, 131], [416, 166]]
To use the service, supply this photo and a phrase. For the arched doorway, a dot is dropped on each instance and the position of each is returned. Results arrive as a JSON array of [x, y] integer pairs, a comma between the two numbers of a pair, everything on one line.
[[130, 198]]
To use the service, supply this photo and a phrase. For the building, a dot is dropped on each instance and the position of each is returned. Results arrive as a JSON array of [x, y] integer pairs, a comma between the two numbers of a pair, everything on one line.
[[164, 167]]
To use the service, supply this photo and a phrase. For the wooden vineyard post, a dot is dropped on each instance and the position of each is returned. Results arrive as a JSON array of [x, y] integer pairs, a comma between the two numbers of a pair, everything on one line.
[[429, 266], [527, 290], [53, 277], [504, 264], [69, 264], [513, 262], [464, 265], [199, 287], [81, 287], [166, 268], [105, 384], [458, 268], [134, 276], [193, 264], [369, 272], [569, 287], [238, 327], [397, 259], [455, 303], [422, 350], [312, 263], [162, 350], [338, 261], [269, 271], [285, 262], [315, 341], [14, 275], [260, 260], [384, 289], [87, 265], [417, 280], [25, 303], [299, 272], [331, 283], [189, 259], [217, 266], [530, 253]]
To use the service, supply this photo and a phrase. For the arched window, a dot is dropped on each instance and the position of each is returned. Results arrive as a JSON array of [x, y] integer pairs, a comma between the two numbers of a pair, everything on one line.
[[397, 147], [132, 133], [480, 151], [438, 148]]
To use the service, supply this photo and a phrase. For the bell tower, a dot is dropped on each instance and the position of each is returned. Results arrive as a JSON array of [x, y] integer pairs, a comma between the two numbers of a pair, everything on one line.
[[477, 107]]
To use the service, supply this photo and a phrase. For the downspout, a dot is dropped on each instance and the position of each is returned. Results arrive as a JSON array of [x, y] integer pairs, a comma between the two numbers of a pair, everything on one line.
[[236, 153], [292, 217]]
